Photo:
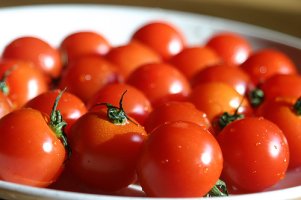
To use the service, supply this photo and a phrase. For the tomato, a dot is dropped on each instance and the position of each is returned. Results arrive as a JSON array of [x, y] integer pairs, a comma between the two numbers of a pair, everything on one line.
[[160, 82], [23, 81], [70, 106], [31, 153], [285, 85], [39, 52], [266, 62], [176, 111], [129, 57], [231, 47], [215, 98], [135, 104], [105, 149], [284, 112], [193, 59], [85, 76], [5, 105], [255, 152], [84, 43], [233, 76], [179, 159], [162, 37]]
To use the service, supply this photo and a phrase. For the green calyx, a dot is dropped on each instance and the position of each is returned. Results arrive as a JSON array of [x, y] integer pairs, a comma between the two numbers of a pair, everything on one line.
[[3, 85], [57, 123], [115, 114], [297, 106], [227, 118], [256, 97], [218, 190]]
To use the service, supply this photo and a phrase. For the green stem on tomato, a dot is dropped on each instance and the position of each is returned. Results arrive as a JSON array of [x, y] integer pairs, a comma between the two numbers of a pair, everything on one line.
[[218, 190], [256, 97], [115, 114], [297, 106], [57, 123], [3, 85]]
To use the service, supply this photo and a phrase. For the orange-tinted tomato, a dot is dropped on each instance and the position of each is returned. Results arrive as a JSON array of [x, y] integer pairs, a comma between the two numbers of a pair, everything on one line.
[[5, 105], [162, 37], [193, 59]]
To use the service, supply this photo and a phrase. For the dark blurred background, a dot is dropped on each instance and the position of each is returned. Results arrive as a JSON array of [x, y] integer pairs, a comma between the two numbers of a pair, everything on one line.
[[280, 15]]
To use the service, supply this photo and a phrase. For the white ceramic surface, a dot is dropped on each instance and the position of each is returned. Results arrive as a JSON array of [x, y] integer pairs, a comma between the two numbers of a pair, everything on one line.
[[53, 22]]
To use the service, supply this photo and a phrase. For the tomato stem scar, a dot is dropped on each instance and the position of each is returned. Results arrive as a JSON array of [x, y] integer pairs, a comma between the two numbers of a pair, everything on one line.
[[256, 97]]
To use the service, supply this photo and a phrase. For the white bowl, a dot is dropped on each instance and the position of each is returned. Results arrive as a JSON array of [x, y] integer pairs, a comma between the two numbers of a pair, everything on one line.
[[53, 22]]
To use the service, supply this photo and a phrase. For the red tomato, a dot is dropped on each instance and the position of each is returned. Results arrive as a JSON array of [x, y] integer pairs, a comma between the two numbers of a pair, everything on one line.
[[23, 81], [31, 153], [37, 51], [5, 105], [85, 76], [233, 76], [179, 159], [105, 154], [256, 154], [70, 106], [285, 85], [84, 43], [193, 59], [135, 103], [176, 111], [282, 112], [231, 47], [129, 57], [162, 37], [263, 64], [160, 82], [215, 98]]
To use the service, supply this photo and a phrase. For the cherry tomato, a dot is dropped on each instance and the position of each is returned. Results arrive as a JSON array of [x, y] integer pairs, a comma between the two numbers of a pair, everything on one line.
[[43, 56], [176, 111], [162, 37], [231, 47], [135, 103], [105, 150], [5, 105], [234, 76], [264, 63], [84, 43], [31, 153], [129, 57], [256, 154], [85, 76], [193, 59], [160, 82], [215, 98], [23, 81], [285, 113], [70, 106], [179, 159], [285, 85]]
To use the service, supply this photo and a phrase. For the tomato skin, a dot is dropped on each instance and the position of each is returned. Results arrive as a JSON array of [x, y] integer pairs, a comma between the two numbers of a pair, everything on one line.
[[231, 47], [160, 82], [84, 43], [5, 105], [264, 63], [35, 50], [215, 98], [193, 59], [129, 57], [280, 111], [70, 106], [105, 155], [30, 156], [179, 159], [135, 103], [256, 154], [24, 81], [162, 37], [176, 111], [231, 75], [87, 74]]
